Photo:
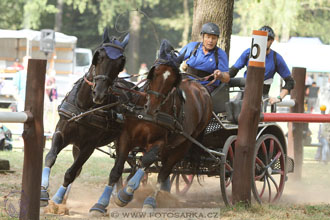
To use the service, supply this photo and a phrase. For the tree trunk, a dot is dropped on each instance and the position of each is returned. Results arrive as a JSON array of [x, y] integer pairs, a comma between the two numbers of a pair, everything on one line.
[[134, 43], [185, 33], [58, 16], [219, 12]]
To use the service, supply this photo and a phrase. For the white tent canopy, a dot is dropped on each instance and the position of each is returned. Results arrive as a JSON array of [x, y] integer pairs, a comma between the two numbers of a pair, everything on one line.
[[35, 35], [297, 52]]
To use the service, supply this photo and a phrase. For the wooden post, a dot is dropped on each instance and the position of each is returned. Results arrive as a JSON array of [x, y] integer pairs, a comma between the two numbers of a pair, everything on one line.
[[295, 129], [33, 140], [246, 137]]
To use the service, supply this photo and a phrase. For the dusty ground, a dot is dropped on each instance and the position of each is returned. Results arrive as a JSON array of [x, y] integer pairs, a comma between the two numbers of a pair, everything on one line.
[[208, 195]]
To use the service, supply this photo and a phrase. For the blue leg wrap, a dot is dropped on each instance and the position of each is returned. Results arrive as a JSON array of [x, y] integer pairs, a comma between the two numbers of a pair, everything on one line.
[[58, 197], [134, 182], [105, 197], [125, 195], [45, 177], [150, 202]]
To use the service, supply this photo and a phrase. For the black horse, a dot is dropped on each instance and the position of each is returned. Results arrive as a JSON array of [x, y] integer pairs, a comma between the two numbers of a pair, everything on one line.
[[93, 130]]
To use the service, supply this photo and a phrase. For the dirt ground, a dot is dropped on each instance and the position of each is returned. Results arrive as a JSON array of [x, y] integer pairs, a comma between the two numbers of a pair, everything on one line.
[[204, 195]]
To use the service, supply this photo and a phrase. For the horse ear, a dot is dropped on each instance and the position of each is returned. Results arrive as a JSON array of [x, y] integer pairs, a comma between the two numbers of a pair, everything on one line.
[[180, 58], [162, 49], [106, 36], [125, 41]]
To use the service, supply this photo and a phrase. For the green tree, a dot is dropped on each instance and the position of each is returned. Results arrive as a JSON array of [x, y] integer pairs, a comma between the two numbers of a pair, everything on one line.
[[11, 14], [216, 11], [287, 18]]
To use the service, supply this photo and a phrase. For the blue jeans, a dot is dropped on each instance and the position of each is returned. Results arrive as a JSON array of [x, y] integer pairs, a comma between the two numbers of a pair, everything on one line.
[[323, 152]]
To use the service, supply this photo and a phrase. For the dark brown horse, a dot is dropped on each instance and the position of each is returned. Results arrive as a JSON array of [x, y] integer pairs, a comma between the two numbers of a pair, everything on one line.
[[169, 106], [91, 131]]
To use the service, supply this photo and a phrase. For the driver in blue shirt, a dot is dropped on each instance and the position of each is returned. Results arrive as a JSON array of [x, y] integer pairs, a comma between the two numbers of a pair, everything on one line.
[[205, 58], [274, 63]]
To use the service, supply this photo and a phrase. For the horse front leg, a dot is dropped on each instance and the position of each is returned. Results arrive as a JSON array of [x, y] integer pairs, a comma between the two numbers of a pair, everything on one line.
[[72, 172], [57, 145], [124, 145]]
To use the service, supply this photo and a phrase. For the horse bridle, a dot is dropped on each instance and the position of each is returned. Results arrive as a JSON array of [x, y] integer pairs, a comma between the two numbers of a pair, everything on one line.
[[102, 77], [158, 95]]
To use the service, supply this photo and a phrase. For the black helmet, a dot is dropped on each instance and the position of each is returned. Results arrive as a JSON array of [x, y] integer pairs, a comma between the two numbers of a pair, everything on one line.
[[210, 28], [270, 31]]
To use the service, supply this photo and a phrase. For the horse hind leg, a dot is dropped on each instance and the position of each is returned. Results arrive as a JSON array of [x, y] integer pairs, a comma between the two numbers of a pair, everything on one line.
[[169, 159]]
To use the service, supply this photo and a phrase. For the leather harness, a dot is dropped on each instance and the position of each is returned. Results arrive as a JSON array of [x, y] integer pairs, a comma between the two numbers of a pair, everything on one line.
[[99, 119]]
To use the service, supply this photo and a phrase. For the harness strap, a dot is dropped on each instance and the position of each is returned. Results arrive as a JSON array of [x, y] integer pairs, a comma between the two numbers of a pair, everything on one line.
[[199, 73], [101, 120]]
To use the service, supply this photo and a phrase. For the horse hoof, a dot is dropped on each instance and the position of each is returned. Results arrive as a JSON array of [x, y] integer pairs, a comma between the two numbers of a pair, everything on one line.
[[43, 203], [98, 209], [149, 204], [122, 199], [44, 196]]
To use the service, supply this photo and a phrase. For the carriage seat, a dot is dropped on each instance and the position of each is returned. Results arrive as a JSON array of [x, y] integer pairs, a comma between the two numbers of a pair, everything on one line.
[[219, 98], [221, 102]]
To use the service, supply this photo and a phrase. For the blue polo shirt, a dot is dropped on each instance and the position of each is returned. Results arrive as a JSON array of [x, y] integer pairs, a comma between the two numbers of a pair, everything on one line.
[[205, 62], [282, 68]]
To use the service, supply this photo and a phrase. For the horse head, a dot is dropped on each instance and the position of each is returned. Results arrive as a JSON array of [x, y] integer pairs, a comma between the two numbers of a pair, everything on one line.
[[108, 61], [164, 77]]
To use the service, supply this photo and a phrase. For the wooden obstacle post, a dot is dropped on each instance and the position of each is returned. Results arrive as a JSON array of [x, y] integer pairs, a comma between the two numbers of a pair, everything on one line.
[[33, 136], [295, 136], [246, 138], [248, 120]]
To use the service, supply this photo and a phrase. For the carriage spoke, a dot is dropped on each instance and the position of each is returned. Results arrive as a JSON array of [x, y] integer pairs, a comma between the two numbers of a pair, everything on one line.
[[278, 155], [263, 188], [260, 176], [259, 161], [264, 150], [228, 167], [230, 153], [186, 180], [278, 171], [271, 148], [275, 184], [269, 188]]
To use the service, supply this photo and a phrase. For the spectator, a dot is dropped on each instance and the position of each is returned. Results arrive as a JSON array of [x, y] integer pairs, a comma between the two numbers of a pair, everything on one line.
[[323, 152], [17, 66], [20, 83], [125, 75], [5, 138], [50, 87], [312, 94], [142, 73]]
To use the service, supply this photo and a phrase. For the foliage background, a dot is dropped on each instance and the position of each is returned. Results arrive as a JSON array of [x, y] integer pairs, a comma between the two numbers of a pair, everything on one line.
[[86, 19]]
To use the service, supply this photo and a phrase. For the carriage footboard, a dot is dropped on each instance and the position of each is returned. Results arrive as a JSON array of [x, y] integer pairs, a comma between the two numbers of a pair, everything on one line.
[[289, 164]]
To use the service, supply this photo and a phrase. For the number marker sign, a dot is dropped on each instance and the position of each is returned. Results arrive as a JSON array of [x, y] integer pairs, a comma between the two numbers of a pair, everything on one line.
[[258, 48]]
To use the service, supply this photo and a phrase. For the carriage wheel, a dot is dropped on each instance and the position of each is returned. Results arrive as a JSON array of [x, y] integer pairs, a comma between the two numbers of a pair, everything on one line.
[[227, 170], [182, 183], [269, 169]]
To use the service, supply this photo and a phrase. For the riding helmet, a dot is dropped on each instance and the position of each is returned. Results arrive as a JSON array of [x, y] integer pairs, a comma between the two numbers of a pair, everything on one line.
[[270, 31], [210, 28]]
